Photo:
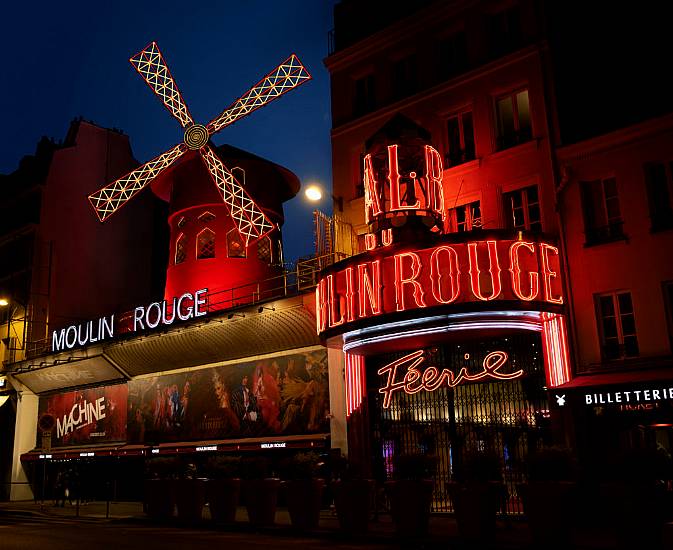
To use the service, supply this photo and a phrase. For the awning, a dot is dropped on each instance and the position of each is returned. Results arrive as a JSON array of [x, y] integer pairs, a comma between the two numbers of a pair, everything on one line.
[[310, 441], [617, 378]]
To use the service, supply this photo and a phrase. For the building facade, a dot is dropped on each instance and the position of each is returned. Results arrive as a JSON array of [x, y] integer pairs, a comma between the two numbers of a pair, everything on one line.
[[475, 82]]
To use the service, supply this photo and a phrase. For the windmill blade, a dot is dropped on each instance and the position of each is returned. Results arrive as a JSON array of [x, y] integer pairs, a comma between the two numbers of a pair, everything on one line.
[[109, 199], [251, 222], [288, 75], [154, 70]]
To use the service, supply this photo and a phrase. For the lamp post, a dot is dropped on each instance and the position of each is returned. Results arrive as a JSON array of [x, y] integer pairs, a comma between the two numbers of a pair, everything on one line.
[[13, 306]]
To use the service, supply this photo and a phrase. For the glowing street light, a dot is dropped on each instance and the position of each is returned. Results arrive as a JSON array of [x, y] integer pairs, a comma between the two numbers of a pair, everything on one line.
[[314, 193], [4, 302]]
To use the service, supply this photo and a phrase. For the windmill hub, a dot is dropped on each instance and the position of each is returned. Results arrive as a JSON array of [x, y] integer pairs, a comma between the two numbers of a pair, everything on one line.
[[196, 136]]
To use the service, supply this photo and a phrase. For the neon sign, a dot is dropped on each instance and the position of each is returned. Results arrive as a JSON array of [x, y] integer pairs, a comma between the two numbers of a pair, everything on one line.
[[414, 380], [394, 280], [423, 192], [188, 306]]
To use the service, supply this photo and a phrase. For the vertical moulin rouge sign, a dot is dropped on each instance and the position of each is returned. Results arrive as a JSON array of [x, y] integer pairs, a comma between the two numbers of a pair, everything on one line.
[[87, 416]]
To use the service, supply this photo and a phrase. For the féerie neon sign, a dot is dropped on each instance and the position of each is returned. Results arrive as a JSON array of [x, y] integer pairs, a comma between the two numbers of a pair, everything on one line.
[[431, 379]]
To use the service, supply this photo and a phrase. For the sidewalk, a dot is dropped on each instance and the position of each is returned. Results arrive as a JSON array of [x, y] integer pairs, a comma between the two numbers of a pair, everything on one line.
[[511, 534]]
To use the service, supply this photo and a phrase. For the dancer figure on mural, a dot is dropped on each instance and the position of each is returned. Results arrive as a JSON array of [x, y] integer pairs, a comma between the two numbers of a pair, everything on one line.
[[244, 404], [268, 395]]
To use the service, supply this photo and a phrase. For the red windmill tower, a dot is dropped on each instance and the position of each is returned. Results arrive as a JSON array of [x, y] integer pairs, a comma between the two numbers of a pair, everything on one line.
[[199, 211]]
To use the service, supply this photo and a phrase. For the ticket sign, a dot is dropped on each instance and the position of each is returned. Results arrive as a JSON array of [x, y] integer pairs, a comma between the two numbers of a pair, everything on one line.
[[397, 279]]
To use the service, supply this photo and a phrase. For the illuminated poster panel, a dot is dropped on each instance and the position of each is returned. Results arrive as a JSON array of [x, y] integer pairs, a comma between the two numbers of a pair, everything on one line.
[[283, 395], [86, 417]]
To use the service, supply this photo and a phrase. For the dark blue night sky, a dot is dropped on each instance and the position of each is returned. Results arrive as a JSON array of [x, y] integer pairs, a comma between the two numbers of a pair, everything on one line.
[[61, 60]]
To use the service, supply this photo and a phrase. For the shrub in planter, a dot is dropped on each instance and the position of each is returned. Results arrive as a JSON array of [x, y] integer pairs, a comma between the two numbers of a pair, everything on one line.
[[410, 494], [548, 496], [352, 499], [224, 487], [190, 494], [159, 487], [303, 490], [477, 496], [260, 491]]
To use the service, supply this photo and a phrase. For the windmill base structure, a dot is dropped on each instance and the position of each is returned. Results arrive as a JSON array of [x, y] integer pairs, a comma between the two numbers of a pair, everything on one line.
[[205, 249]]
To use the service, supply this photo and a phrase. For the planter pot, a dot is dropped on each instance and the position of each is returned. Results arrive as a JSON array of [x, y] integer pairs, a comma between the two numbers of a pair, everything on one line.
[[352, 500], [410, 502], [261, 499], [159, 498], [475, 506], [548, 505], [190, 499], [223, 497], [304, 499]]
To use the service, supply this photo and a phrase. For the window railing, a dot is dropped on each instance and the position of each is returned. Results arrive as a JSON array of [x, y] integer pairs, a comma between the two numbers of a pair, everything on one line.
[[505, 141], [294, 280], [459, 156], [614, 231]]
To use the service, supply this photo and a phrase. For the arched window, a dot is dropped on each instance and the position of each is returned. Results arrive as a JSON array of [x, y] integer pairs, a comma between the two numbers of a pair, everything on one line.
[[264, 249], [180, 252], [235, 245], [205, 244], [206, 217]]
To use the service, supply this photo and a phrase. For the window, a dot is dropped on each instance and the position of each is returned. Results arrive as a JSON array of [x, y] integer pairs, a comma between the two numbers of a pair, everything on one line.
[[668, 305], [364, 101], [360, 183], [466, 217], [522, 209], [453, 55], [617, 325], [460, 132], [205, 245], [404, 78], [235, 245], [264, 249], [206, 217], [658, 177], [602, 215], [504, 31], [513, 119], [180, 253]]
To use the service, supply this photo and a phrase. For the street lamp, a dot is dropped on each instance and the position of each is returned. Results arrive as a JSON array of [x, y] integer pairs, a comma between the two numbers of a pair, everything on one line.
[[314, 193]]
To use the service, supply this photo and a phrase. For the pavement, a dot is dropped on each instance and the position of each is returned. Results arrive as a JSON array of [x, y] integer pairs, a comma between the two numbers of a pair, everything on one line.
[[511, 534]]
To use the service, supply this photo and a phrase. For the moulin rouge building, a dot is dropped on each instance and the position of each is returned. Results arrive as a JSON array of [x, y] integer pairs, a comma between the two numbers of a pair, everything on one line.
[[225, 359]]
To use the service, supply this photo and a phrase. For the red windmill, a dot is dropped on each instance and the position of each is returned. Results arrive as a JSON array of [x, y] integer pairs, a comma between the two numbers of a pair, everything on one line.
[[250, 221]]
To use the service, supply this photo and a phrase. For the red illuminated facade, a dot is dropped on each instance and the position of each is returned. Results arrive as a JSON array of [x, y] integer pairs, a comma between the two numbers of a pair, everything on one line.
[[477, 229]]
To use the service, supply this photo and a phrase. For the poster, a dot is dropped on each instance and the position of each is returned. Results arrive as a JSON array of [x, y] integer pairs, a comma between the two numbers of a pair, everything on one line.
[[283, 395], [86, 417]]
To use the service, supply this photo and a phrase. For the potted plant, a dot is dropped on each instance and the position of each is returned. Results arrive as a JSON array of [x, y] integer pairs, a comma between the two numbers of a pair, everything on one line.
[[260, 491], [477, 495], [159, 488], [547, 497], [224, 487], [352, 498], [190, 495], [410, 494], [303, 490]]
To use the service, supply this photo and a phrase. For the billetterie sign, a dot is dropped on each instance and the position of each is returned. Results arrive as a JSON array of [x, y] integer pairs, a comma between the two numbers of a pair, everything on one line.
[[188, 306]]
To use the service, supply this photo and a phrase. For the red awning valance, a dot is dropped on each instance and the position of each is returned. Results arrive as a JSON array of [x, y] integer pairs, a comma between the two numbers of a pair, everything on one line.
[[618, 378]]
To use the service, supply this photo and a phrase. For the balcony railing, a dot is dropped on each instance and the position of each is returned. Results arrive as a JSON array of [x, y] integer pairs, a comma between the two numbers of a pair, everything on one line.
[[293, 281]]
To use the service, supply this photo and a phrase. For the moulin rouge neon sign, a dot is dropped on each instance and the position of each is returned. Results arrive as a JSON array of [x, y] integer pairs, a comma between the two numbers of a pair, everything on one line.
[[423, 192], [414, 380], [474, 271]]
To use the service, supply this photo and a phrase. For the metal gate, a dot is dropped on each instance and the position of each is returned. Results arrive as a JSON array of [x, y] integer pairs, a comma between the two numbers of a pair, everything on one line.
[[505, 418]]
